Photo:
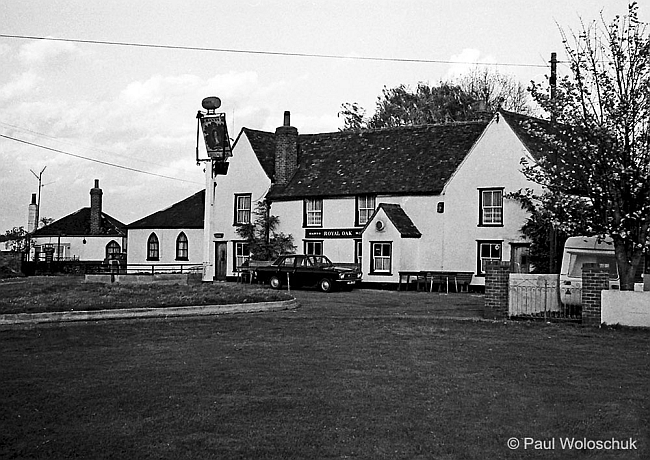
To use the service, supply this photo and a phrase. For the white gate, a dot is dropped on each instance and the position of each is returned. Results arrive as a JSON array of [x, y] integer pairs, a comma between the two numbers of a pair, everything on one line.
[[536, 296]]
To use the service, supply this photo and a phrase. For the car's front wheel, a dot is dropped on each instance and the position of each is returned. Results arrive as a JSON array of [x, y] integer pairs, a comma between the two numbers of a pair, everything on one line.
[[325, 285], [275, 282]]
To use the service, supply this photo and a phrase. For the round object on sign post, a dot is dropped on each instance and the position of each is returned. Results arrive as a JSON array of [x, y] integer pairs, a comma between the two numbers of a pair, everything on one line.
[[211, 103]]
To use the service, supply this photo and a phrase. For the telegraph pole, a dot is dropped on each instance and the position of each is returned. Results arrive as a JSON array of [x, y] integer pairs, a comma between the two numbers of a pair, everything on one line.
[[38, 176]]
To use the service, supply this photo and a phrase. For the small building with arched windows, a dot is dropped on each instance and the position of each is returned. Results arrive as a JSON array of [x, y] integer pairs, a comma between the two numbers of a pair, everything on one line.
[[171, 239], [87, 235]]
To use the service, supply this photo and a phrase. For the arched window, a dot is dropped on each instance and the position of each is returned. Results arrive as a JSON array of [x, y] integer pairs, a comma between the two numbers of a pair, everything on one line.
[[182, 247], [112, 248], [153, 247]]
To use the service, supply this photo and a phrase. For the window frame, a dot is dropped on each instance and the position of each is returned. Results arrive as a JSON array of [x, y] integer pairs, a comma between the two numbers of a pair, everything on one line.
[[317, 212], [479, 259], [315, 243], [237, 209], [153, 247], [112, 245], [482, 221], [180, 249], [358, 209], [245, 247], [373, 258]]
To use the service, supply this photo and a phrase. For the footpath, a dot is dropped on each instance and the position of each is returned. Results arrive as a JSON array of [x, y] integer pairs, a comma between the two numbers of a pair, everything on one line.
[[15, 319]]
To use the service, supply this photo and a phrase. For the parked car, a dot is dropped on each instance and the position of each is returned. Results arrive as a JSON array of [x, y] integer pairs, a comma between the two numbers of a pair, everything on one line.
[[307, 271]]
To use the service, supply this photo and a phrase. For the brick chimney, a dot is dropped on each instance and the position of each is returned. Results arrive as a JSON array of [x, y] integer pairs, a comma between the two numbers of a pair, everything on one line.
[[286, 151], [96, 209], [32, 217]]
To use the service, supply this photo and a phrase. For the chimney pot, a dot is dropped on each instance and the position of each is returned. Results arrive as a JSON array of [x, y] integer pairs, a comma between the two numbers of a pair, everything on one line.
[[33, 198], [287, 118]]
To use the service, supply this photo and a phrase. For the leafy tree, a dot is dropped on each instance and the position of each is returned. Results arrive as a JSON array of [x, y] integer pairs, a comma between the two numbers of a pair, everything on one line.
[[18, 239], [264, 242], [601, 138], [478, 93], [545, 214]]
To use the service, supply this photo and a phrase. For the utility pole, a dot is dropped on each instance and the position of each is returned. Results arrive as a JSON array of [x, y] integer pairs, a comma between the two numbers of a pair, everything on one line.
[[552, 262], [38, 176]]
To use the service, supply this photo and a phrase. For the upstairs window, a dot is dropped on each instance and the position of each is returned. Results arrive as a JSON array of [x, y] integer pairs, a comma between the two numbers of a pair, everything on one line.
[[491, 207], [365, 208], [243, 209], [182, 247], [153, 247], [314, 212]]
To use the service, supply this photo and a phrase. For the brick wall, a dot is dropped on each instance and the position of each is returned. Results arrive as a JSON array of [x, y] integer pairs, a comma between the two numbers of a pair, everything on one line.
[[594, 280], [497, 277]]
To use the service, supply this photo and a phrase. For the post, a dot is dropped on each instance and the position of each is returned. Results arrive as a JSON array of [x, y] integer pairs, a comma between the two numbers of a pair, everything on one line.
[[594, 280], [497, 278]]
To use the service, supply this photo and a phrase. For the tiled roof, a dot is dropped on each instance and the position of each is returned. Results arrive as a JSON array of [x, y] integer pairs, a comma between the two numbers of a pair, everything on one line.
[[263, 144], [188, 213], [409, 159], [78, 224], [400, 220]]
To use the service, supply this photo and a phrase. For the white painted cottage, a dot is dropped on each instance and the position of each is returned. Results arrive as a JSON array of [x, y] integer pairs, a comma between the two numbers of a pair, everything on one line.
[[87, 235], [396, 201], [170, 239]]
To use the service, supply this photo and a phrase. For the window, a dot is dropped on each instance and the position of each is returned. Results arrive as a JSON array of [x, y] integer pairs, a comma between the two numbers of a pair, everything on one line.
[[491, 207], [488, 251], [182, 247], [153, 247], [314, 248], [112, 248], [314, 212], [243, 209], [365, 208], [380, 258], [242, 254]]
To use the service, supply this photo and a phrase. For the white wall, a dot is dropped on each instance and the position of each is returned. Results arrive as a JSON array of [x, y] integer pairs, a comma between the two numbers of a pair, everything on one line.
[[137, 247], [245, 175], [493, 163], [627, 308], [93, 250]]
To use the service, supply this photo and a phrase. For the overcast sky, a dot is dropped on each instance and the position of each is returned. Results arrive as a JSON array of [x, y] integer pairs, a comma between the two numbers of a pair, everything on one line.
[[135, 106]]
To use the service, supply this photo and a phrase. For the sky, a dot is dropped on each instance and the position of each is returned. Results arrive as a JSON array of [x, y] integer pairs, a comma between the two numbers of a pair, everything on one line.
[[126, 115]]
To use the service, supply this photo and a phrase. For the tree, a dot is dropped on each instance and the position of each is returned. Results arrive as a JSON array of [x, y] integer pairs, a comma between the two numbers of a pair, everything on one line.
[[493, 90], [478, 93], [43, 221], [600, 138], [545, 213], [18, 240], [264, 242]]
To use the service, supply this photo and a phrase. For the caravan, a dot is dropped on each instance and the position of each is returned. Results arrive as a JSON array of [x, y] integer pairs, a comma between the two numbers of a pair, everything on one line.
[[580, 250]]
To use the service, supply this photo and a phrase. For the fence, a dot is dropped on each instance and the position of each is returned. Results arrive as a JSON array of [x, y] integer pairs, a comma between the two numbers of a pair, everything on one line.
[[538, 296]]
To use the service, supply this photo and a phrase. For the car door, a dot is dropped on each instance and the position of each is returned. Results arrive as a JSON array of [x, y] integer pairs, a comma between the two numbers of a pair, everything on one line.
[[287, 269], [304, 275]]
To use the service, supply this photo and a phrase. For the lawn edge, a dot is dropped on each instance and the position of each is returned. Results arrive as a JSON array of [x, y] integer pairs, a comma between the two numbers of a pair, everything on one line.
[[132, 313]]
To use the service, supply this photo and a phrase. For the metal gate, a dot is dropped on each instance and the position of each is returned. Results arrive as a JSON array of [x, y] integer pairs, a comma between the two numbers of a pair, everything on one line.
[[538, 297]]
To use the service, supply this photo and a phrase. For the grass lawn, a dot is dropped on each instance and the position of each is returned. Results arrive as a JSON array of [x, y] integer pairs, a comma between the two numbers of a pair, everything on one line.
[[65, 293], [387, 381]]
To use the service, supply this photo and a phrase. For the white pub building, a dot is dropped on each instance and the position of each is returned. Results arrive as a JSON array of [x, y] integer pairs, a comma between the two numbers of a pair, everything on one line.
[[396, 201]]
